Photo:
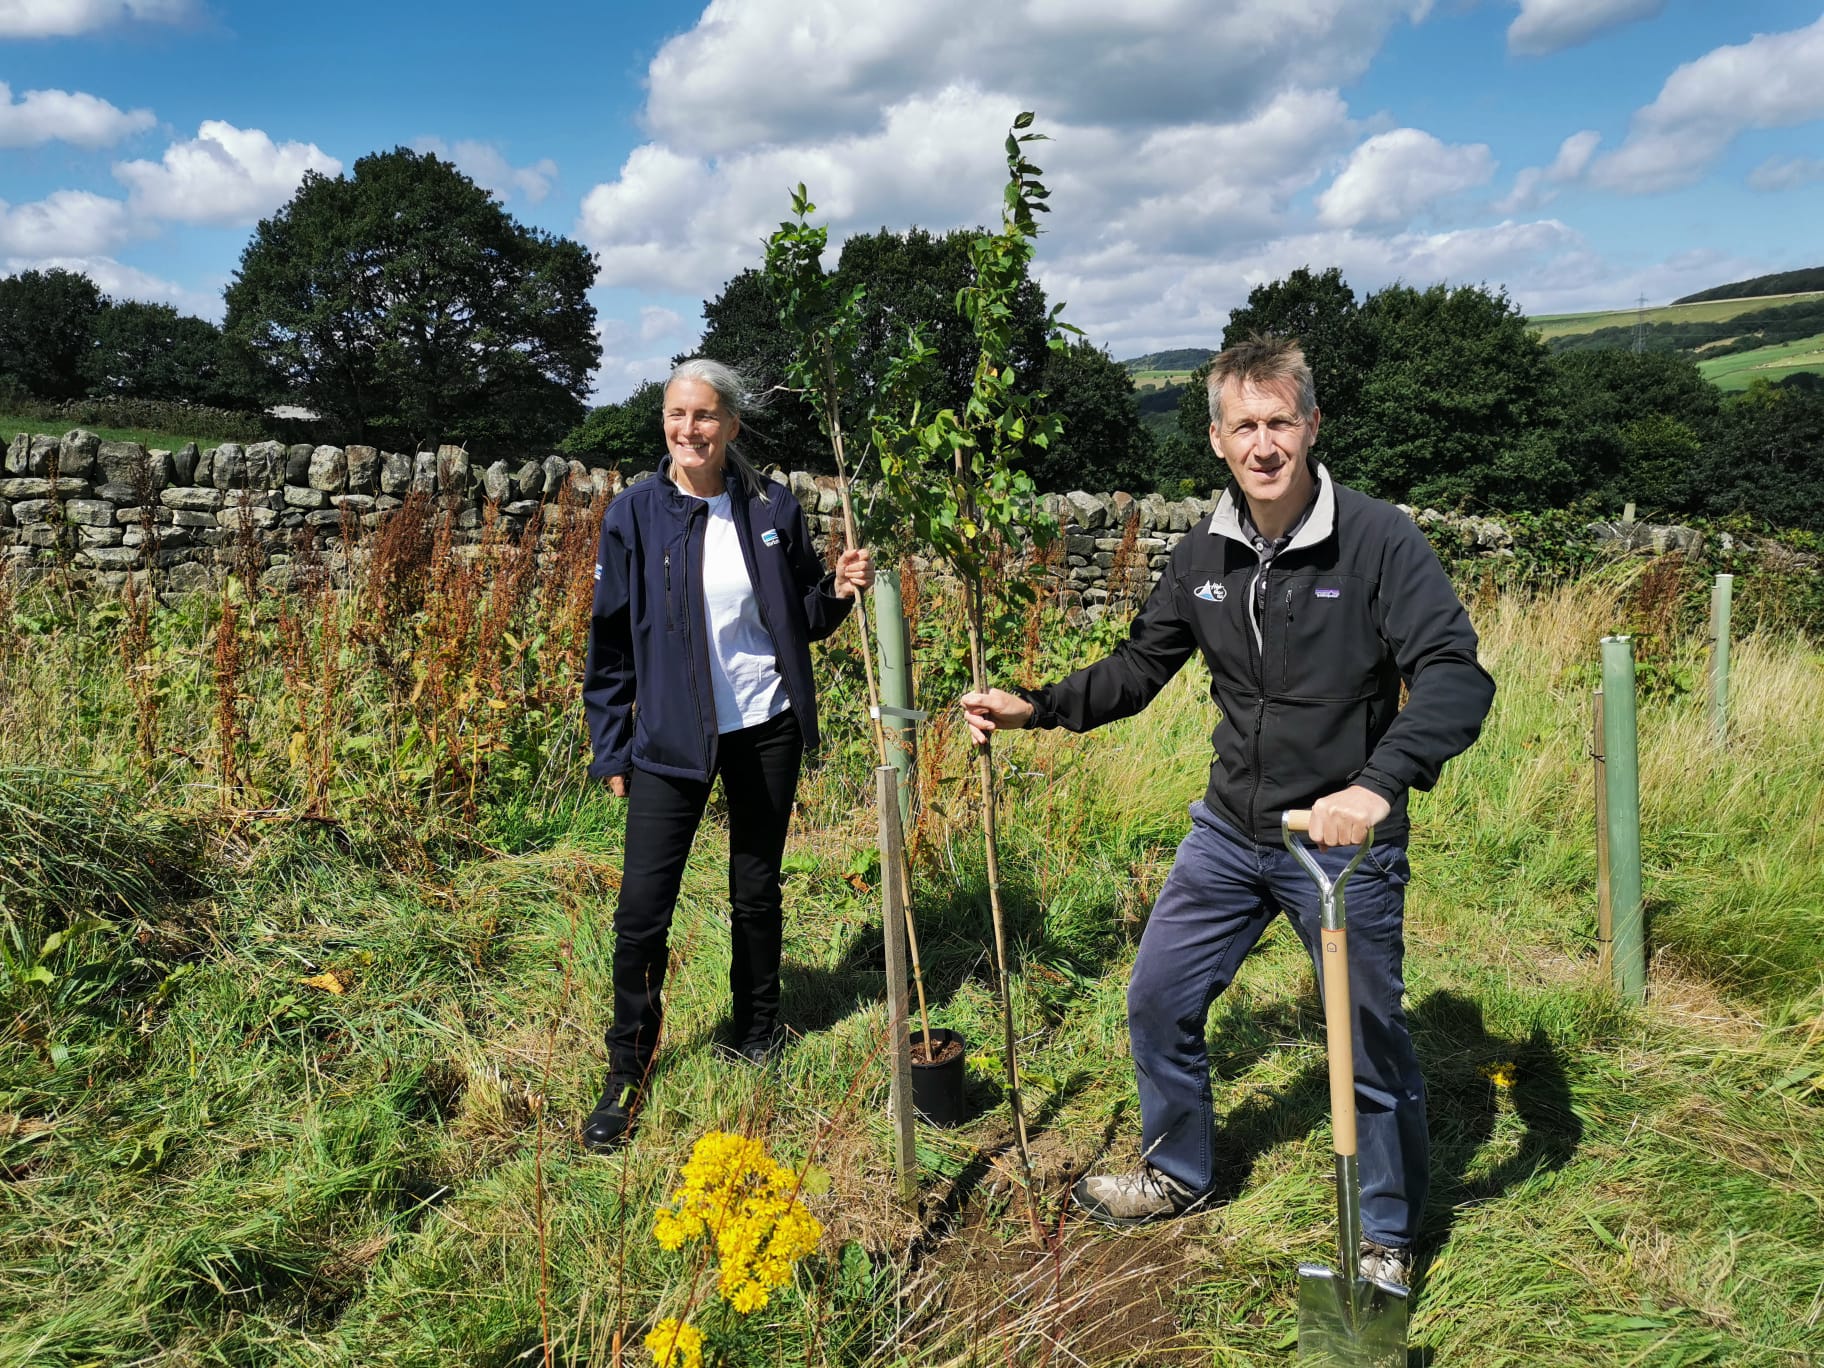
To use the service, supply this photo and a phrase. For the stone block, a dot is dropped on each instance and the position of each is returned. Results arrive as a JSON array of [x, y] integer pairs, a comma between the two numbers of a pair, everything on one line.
[[266, 462], [89, 512], [395, 474], [329, 469], [37, 487], [326, 517], [39, 534], [529, 483], [187, 577], [204, 473], [76, 453], [453, 468], [88, 535], [424, 473], [110, 557], [556, 468], [195, 499], [355, 503], [522, 508], [40, 455], [234, 517], [18, 452], [189, 517], [1086, 510], [29, 511], [385, 503], [183, 464], [304, 496], [229, 470], [496, 483], [363, 469], [297, 463]]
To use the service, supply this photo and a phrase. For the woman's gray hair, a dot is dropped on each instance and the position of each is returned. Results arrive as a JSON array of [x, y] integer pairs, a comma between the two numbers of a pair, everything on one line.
[[737, 394]]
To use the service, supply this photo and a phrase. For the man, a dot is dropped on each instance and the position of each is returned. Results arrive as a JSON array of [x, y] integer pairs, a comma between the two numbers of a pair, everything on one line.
[[1312, 604]]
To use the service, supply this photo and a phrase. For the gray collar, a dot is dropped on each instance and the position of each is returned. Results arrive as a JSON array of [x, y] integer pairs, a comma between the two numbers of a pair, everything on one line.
[[1227, 519]]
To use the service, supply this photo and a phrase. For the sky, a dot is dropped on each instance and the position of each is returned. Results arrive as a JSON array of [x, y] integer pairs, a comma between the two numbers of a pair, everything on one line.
[[1579, 154]]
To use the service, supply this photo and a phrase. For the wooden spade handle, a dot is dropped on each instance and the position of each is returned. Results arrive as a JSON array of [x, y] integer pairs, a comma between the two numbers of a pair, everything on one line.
[[1338, 1033], [1298, 819]]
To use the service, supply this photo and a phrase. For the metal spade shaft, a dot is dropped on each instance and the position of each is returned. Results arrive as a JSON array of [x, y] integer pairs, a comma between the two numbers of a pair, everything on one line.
[[1343, 1318]]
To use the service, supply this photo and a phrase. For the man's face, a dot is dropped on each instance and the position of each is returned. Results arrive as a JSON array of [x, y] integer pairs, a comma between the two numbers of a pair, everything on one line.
[[1266, 444]]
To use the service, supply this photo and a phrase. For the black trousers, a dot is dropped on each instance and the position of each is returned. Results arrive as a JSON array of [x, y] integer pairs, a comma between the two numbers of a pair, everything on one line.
[[759, 770]]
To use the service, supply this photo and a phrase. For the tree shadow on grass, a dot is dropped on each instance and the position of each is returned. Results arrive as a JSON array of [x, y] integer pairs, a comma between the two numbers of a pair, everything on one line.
[[1468, 1070]]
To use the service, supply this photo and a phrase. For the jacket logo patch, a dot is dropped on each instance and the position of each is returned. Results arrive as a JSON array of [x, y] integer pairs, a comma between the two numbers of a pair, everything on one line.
[[770, 537], [1329, 593], [598, 572], [1211, 591]]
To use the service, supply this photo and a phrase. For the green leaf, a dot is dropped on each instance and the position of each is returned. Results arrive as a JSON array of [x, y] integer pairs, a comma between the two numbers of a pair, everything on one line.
[[1024, 119]]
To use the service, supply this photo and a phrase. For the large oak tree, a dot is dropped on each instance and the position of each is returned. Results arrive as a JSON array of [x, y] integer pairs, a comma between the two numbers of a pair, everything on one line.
[[403, 300]]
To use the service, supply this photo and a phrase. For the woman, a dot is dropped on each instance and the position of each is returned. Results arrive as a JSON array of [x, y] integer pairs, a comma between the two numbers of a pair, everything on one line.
[[708, 594]]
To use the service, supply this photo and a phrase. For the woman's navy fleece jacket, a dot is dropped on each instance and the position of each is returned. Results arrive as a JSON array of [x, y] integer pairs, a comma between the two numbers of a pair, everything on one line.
[[646, 689]]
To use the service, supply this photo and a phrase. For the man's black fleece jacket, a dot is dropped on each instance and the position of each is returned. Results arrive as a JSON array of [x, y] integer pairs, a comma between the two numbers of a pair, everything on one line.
[[1309, 687]]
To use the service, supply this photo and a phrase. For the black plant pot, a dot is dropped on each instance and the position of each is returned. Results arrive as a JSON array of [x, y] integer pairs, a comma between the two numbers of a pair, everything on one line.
[[937, 1089]]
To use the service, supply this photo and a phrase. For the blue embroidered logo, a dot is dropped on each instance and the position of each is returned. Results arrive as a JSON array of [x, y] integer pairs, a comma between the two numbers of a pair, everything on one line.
[[1329, 593], [770, 537], [1211, 591], [598, 572]]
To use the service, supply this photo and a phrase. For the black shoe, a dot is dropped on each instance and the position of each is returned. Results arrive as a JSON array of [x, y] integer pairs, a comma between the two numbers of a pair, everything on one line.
[[759, 1050], [610, 1125]]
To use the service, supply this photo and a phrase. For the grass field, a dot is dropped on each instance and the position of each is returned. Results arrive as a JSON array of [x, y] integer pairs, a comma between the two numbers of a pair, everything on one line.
[[301, 1083], [1769, 363], [12, 424], [1159, 379], [1709, 311]]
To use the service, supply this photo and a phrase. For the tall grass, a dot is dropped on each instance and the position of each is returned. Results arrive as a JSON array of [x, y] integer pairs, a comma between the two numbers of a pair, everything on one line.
[[335, 1008]]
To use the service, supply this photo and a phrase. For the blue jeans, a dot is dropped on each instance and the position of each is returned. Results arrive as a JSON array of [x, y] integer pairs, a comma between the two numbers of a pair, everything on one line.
[[1221, 895]]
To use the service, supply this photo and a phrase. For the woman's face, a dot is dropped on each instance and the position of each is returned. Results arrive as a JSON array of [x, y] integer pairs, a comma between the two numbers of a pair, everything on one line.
[[697, 429]]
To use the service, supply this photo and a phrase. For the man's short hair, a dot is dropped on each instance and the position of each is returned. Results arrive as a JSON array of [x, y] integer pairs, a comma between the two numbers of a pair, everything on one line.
[[1262, 359]]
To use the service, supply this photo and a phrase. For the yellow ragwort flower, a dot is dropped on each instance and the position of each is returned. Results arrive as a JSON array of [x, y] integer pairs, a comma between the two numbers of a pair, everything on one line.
[[747, 1205], [676, 1344], [1502, 1075]]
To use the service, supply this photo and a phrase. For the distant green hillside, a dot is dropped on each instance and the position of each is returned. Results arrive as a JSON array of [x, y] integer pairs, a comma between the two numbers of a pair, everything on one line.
[[1182, 359], [1734, 340], [1786, 282]]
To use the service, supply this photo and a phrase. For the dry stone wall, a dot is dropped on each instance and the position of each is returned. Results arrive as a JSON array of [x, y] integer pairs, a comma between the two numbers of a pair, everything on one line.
[[101, 512]]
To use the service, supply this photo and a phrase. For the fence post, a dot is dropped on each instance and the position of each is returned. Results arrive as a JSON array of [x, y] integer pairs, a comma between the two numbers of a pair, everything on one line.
[[1621, 770], [1721, 593], [896, 684], [1605, 921], [893, 933]]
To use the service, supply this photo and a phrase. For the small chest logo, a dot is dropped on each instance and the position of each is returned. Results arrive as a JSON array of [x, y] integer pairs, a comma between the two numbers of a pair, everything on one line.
[[598, 572], [1329, 593], [1211, 591], [770, 537]]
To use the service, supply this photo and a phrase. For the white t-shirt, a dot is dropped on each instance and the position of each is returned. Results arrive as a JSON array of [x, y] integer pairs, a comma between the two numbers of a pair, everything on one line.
[[743, 677]]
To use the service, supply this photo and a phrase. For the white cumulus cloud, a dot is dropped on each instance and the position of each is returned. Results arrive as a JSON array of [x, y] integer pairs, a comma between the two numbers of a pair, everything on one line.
[[117, 281], [1786, 173], [65, 18], [1538, 185], [65, 222], [1547, 26], [1771, 81], [43, 116], [1396, 175], [773, 71], [486, 165], [224, 175]]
